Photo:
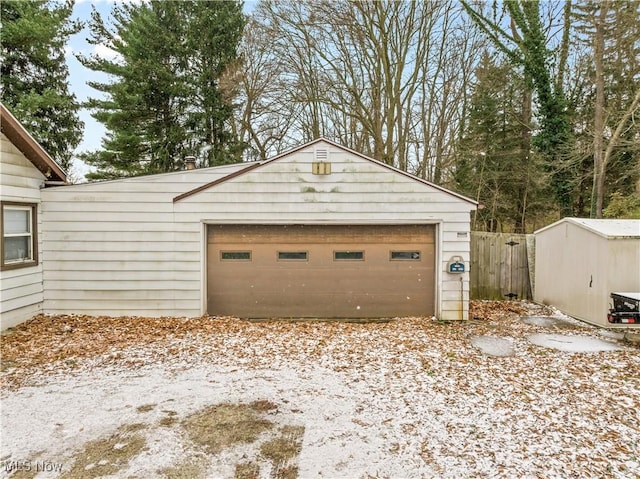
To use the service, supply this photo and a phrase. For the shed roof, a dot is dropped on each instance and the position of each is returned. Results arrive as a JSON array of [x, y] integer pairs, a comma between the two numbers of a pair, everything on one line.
[[30, 148], [608, 228]]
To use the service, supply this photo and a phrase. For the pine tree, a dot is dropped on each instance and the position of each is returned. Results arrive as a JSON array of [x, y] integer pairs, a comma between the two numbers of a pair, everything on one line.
[[143, 106], [494, 164], [35, 76], [212, 53], [163, 102], [527, 47]]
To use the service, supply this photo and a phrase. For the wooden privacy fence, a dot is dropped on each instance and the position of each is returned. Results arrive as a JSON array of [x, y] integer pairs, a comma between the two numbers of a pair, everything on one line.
[[502, 265]]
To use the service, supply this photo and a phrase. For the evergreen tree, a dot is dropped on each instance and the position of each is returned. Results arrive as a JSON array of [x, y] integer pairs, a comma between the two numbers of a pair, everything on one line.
[[212, 54], [35, 76], [163, 102], [494, 164], [527, 47], [143, 106]]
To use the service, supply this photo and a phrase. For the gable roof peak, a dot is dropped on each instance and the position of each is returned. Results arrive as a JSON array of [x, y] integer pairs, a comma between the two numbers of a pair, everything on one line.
[[335, 145], [30, 148]]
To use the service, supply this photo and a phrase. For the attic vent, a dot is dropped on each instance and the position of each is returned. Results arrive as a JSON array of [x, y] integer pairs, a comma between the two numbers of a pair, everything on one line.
[[322, 154], [321, 165]]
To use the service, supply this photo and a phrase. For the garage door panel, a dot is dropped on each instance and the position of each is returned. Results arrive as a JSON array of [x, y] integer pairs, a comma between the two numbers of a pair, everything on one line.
[[324, 306], [292, 283], [330, 234], [320, 285]]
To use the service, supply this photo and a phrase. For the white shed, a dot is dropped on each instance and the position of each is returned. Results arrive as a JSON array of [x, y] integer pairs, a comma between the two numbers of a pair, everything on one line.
[[319, 231], [24, 170], [580, 262]]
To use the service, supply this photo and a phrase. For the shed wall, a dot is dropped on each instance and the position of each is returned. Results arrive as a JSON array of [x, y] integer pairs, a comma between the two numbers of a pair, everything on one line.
[[21, 293], [623, 267], [577, 269]]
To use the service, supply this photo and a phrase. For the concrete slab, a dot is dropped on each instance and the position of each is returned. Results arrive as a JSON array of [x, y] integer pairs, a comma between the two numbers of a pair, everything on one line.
[[572, 344], [493, 345], [549, 322]]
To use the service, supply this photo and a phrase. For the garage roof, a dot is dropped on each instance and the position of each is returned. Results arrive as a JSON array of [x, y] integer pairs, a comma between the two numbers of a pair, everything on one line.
[[29, 147], [311, 143], [608, 228]]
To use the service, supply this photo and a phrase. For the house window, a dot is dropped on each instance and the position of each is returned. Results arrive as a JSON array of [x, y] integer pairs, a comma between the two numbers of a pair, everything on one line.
[[19, 239]]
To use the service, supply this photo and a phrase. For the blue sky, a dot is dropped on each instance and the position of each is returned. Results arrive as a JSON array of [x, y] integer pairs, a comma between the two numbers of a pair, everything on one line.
[[79, 75]]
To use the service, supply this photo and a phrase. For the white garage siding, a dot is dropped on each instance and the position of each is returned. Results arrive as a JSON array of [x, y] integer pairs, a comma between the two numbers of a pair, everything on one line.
[[113, 247], [136, 246]]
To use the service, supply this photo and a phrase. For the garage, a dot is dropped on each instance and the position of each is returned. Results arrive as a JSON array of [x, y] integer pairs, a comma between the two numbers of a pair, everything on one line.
[[316, 231], [328, 271]]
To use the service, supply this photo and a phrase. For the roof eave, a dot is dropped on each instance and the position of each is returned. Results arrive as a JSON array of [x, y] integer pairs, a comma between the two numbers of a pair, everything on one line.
[[31, 149], [587, 227]]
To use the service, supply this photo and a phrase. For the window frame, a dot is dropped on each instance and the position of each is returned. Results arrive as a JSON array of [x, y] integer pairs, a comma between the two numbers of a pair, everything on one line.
[[245, 260], [392, 252], [335, 252], [33, 212]]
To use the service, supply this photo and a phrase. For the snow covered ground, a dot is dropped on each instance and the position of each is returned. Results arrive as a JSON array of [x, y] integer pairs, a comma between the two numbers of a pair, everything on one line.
[[409, 398]]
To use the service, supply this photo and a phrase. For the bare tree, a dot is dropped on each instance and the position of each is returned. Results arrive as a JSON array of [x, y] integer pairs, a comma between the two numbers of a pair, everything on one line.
[[255, 83], [384, 78], [610, 29]]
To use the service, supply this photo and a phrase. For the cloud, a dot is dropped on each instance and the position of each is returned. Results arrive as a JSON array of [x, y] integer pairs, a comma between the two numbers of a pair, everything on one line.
[[103, 51]]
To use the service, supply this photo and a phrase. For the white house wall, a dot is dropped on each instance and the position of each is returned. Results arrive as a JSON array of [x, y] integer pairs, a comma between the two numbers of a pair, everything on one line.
[[21, 293], [126, 248]]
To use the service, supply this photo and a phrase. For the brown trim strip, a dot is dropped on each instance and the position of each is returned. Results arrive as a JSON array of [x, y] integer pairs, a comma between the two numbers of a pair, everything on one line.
[[31, 149], [216, 182]]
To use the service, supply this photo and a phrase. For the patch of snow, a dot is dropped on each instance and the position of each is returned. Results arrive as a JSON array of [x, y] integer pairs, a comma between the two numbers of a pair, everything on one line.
[[615, 335], [405, 399], [572, 344]]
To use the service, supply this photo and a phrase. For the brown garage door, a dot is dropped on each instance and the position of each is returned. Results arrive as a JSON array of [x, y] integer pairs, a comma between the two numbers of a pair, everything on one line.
[[306, 271]]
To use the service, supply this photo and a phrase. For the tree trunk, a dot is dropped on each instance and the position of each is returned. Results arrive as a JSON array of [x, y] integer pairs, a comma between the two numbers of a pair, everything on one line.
[[597, 198], [520, 225]]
